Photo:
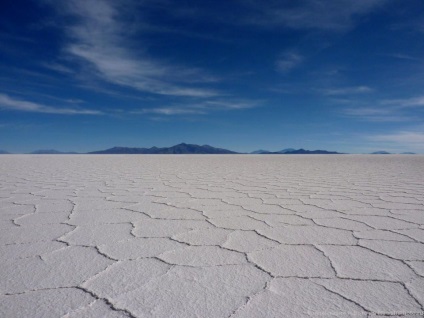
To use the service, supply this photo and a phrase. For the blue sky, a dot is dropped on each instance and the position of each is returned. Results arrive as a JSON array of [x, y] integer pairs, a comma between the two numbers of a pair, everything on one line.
[[82, 75]]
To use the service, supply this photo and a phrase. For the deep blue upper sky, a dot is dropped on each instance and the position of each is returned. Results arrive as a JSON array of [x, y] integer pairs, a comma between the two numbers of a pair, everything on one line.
[[86, 75]]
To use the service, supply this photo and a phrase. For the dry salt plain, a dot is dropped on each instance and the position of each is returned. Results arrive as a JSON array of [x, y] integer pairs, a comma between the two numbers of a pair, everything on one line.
[[211, 236]]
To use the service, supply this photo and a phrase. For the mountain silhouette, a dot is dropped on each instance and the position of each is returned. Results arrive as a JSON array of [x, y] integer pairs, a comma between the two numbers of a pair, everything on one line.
[[291, 151], [50, 152], [182, 148], [382, 152]]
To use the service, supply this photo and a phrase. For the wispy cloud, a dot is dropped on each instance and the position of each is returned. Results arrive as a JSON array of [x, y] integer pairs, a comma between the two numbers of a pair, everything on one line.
[[377, 114], [10, 103], [100, 40], [57, 67], [403, 140], [388, 110], [415, 24], [231, 105], [405, 103], [347, 90], [288, 61], [201, 108], [401, 56], [311, 14], [402, 137], [169, 111]]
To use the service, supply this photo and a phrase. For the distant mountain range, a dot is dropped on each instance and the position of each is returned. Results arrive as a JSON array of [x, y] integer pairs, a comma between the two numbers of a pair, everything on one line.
[[196, 149], [51, 152], [287, 150], [184, 148], [382, 152], [291, 151], [177, 149], [260, 151]]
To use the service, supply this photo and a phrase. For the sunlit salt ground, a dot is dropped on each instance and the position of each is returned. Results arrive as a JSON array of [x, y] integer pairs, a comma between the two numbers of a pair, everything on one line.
[[211, 236]]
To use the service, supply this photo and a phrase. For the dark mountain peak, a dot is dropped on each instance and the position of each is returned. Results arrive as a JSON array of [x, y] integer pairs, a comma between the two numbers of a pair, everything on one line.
[[312, 152], [287, 150], [50, 152], [260, 151], [181, 148], [4, 152], [292, 151], [44, 151], [381, 152], [121, 150]]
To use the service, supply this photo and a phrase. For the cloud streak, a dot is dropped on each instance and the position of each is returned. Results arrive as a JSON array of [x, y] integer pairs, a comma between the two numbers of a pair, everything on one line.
[[288, 61], [389, 110], [402, 140], [322, 15], [10, 103], [99, 40], [201, 108], [408, 137], [311, 14], [325, 15], [414, 102], [347, 90]]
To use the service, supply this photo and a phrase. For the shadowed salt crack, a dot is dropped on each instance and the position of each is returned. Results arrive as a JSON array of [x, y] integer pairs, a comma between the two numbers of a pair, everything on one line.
[[344, 297], [249, 298], [110, 304]]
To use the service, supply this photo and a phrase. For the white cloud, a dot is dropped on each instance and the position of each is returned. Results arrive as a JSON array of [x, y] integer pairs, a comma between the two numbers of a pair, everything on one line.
[[406, 103], [408, 137], [401, 140], [288, 61], [364, 111], [389, 110], [7, 102], [327, 15], [169, 111], [201, 108], [347, 90], [404, 57], [230, 105], [58, 68], [99, 39]]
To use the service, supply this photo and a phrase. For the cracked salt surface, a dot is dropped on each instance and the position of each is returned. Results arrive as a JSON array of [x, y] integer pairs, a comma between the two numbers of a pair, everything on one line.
[[211, 236]]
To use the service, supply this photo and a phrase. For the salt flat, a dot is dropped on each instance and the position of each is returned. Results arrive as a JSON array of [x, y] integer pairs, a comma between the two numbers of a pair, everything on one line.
[[211, 236]]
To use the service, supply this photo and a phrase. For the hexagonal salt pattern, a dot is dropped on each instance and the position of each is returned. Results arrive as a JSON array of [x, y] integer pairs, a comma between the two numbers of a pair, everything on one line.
[[211, 236]]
